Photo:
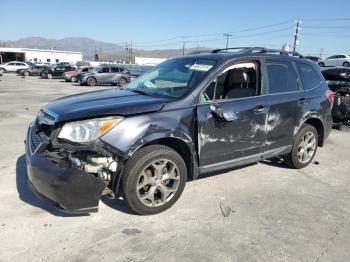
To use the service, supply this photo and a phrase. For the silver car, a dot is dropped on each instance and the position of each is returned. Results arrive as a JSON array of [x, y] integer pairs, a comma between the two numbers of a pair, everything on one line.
[[13, 66], [113, 75]]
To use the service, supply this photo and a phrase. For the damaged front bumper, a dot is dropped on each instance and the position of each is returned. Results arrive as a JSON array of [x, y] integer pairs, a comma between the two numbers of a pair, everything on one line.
[[61, 183]]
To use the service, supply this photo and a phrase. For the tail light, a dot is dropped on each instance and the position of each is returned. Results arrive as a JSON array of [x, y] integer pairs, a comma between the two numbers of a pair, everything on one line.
[[330, 96]]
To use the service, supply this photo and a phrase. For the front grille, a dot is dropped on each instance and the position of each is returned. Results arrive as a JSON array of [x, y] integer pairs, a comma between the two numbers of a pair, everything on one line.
[[35, 141]]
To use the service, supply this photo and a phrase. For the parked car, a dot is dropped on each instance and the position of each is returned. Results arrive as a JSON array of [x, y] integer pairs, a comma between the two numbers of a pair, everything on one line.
[[313, 58], [185, 117], [32, 71], [338, 80], [336, 60], [112, 75], [71, 76], [13, 66], [56, 72]]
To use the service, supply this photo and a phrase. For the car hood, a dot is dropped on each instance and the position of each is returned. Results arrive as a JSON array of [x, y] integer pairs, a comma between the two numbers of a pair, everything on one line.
[[102, 103]]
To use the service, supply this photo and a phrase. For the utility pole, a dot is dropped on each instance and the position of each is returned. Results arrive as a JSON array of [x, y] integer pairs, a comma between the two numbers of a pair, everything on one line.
[[131, 52], [227, 36], [183, 47], [321, 53], [296, 35], [99, 57]]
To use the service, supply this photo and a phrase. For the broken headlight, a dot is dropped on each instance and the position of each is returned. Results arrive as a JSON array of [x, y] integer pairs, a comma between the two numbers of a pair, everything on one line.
[[88, 130]]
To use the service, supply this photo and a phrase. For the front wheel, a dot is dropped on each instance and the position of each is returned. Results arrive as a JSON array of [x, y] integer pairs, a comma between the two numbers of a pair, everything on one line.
[[49, 76], [26, 73], [304, 147], [73, 79], [91, 81], [346, 64], [321, 64], [2, 70], [154, 178]]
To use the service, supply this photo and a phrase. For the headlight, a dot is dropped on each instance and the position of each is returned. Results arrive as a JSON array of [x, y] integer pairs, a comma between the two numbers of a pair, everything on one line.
[[88, 130]]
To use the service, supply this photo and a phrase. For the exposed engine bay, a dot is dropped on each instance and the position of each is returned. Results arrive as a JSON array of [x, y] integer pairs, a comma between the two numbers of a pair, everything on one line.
[[338, 80]]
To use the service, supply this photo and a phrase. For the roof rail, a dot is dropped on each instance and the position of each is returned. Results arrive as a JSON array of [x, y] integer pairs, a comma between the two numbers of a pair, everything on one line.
[[264, 50]]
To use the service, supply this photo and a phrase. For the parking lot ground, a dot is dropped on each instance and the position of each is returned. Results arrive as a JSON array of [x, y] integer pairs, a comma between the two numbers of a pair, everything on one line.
[[261, 212]]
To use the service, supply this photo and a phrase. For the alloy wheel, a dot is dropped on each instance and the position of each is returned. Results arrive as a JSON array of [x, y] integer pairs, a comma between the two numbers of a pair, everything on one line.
[[307, 147], [158, 183]]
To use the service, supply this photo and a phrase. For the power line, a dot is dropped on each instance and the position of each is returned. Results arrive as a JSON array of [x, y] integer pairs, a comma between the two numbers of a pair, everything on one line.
[[216, 34]]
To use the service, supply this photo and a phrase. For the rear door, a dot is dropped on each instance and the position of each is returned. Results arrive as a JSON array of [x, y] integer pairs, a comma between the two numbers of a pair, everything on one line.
[[286, 102], [341, 60], [115, 75]]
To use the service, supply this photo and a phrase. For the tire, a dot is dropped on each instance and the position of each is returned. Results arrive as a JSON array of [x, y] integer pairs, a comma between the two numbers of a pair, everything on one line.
[[122, 81], [73, 79], [140, 166], [91, 81], [2, 70], [49, 76], [295, 158], [321, 64], [346, 64], [26, 73]]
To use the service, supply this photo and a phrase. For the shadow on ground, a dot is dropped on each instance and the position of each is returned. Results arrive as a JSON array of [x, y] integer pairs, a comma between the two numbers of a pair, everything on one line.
[[27, 196]]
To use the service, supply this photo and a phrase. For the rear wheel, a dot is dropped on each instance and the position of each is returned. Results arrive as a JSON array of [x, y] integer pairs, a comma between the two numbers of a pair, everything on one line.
[[49, 76], [122, 81], [154, 178], [2, 70], [26, 73], [304, 147], [346, 64], [321, 64], [73, 79], [91, 81]]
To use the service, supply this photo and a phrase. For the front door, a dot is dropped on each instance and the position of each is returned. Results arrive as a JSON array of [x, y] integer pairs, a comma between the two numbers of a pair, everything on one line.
[[231, 117]]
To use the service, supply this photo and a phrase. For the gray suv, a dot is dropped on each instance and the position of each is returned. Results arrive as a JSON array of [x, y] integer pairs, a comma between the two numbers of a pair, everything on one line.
[[113, 75]]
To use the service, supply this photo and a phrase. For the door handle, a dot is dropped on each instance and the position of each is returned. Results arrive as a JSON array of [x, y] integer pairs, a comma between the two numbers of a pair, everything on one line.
[[302, 101], [259, 109]]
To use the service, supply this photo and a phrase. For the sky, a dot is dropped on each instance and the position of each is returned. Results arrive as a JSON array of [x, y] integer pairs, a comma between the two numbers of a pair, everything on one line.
[[156, 24]]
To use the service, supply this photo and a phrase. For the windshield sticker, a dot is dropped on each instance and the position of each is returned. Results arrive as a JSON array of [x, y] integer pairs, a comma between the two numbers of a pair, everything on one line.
[[201, 67]]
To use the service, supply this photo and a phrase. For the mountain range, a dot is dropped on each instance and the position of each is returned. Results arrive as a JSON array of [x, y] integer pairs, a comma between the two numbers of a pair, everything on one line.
[[109, 51]]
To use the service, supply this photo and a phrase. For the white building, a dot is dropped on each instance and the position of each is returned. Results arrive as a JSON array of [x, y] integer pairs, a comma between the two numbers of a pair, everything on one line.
[[38, 55], [149, 61]]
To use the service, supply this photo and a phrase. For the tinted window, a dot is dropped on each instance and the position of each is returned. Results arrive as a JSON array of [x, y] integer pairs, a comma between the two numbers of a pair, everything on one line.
[[342, 56], [332, 57], [104, 70], [308, 76], [11, 64], [236, 81], [282, 77], [115, 70]]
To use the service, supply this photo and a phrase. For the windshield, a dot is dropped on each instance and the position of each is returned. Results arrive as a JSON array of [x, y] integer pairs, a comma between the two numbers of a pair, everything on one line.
[[96, 69], [172, 78]]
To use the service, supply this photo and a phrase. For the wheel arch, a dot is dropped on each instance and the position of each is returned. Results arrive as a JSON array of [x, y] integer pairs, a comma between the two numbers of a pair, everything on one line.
[[183, 148], [318, 124]]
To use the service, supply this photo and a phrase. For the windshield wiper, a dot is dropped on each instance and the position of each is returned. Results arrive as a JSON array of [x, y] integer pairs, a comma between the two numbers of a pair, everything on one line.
[[139, 91]]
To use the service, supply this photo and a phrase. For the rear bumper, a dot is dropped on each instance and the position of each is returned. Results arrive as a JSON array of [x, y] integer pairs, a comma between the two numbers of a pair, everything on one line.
[[61, 184]]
